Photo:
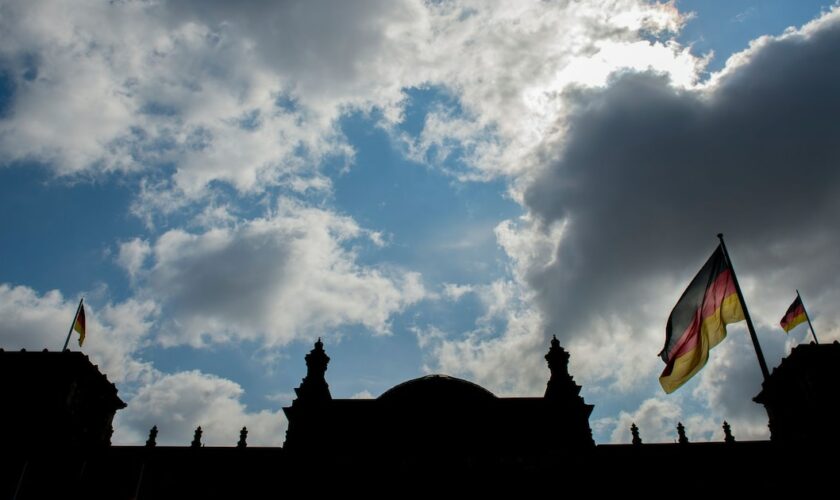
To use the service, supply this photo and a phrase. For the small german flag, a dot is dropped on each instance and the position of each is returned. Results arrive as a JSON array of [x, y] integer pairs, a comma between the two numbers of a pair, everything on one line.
[[698, 321], [795, 315], [79, 323]]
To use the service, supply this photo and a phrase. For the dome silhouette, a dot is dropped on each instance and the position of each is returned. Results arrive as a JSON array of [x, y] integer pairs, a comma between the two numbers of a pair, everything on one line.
[[437, 388]]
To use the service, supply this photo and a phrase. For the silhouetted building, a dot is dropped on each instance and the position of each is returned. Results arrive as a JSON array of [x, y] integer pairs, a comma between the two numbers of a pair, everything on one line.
[[802, 395], [427, 435], [55, 399], [438, 417]]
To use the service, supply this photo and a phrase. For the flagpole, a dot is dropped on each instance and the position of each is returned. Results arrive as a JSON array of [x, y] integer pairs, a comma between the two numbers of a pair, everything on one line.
[[808, 317], [67, 341], [763, 364]]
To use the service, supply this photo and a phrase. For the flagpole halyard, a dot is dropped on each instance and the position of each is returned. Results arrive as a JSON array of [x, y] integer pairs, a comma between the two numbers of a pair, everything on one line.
[[763, 364]]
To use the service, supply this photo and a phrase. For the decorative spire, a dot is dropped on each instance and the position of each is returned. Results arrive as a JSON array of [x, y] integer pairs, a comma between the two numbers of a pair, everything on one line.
[[314, 386], [635, 432], [243, 436], [727, 433], [681, 433], [152, 441], [560, 385], [558, 358], [317, 361], [196, 442]]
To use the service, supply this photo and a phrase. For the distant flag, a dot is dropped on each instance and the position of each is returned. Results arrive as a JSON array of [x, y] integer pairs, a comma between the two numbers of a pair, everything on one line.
[[698, 321], [795, 315], [77, 325]]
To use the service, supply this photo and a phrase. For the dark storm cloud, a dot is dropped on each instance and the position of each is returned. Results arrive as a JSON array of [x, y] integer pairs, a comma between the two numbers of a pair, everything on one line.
[[647, 175]]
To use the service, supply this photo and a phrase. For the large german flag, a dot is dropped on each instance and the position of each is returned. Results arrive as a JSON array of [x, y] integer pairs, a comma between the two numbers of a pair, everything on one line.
[[698, 321], [795, 315]]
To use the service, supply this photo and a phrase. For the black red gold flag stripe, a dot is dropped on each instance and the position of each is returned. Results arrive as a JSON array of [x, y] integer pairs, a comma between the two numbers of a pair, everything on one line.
[[79, 323], [795, 315], [698, 321]]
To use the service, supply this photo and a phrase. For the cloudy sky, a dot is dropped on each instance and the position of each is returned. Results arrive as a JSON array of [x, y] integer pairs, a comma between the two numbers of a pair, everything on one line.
[[432, 187]]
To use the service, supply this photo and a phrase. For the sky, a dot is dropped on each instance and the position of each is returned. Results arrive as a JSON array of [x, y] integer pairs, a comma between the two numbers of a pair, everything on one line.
[[430, 187]]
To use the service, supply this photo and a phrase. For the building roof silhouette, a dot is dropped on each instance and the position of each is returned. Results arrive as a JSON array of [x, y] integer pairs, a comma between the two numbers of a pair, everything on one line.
[[420, 436]]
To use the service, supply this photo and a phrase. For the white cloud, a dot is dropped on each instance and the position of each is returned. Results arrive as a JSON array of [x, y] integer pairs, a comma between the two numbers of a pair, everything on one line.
[[454, 291], [178, 403], [124, 86], [615, 353], [277, 278], [428, 336], [507, 65], [732, 378], [362, 395], [195, 92], [508, 361], [132, 255]]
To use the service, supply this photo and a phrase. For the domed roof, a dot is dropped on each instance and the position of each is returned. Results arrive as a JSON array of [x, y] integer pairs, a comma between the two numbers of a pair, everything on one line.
[[437, 388]]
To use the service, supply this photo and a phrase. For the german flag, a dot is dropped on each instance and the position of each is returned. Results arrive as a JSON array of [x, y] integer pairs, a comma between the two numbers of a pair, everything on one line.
[[698, 321], [79, 323], [795, 315]]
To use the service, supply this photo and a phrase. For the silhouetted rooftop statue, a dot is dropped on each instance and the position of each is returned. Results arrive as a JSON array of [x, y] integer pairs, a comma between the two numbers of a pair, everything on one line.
[[196, 442], [560, 385], [243, 438], [152, 441], [314, 386], [727, 433], [682, 438], [802, 395], [634, 431]]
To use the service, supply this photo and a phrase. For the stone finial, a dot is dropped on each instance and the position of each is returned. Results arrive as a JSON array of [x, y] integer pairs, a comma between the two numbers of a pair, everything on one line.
[[317, 360], [727, 433], [243, 436], [558, 358], [196, 442], [152, 441], [314, 387], [635, 432], [560, 384], [681, 433]]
